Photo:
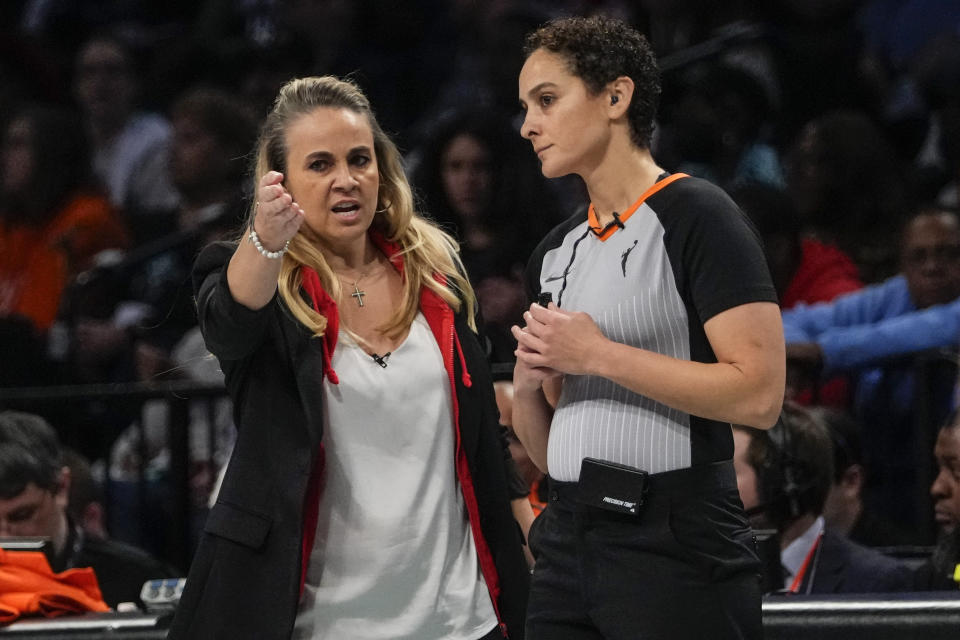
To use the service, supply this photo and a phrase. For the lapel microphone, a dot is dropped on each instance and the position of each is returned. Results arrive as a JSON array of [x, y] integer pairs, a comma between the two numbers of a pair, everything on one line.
[[617, 222]]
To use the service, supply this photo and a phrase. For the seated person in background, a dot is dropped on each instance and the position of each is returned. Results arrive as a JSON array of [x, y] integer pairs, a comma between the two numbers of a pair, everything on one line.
[[784, 475], [844, 511], [474, 174], [805, 270], [34, 490], [847, 185], [528, 478], [131, 148], [534, 479], [862, 332], [715, 126], [149, 305], [938, 573], [53, 222], [85, 500]]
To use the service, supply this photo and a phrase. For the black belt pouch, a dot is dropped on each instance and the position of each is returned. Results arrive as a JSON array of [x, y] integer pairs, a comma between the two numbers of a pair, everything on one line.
[[612, 486]]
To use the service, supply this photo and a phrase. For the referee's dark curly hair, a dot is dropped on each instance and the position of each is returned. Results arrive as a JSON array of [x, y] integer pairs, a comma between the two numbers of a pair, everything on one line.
[[599, 50]]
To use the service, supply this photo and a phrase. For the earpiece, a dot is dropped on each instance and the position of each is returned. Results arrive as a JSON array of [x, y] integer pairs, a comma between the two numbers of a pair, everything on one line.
[[614, 99]]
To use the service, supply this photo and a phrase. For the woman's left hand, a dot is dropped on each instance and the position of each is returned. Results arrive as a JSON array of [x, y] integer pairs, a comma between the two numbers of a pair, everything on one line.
[[562, 340]]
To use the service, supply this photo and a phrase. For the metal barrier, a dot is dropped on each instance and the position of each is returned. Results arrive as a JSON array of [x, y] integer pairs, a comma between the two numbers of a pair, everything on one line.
[[178, 395], [899, 616], [92, 626], [881, 616]]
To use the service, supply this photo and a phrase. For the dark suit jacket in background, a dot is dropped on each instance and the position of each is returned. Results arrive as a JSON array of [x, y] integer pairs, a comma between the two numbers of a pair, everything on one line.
[[847, 567]]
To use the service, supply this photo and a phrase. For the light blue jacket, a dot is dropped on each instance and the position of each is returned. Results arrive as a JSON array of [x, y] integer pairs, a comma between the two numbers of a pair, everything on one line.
[[860, 329]]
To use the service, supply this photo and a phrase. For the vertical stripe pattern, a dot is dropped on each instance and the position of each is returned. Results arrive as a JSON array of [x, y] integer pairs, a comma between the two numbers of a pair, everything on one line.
[[627, 285]]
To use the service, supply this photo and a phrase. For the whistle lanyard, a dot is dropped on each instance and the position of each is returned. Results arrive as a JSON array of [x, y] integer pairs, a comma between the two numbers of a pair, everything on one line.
[[811, 558]]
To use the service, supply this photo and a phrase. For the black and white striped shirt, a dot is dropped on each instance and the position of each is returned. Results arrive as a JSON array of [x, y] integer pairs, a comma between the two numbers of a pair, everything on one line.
[[684, 254]]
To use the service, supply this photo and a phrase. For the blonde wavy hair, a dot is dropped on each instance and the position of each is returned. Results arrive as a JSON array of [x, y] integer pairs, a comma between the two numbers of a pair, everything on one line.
[[427, 251]]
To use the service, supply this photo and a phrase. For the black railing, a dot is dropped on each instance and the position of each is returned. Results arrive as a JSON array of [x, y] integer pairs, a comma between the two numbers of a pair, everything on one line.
[[930, 616], [881, 616], [178, 394]]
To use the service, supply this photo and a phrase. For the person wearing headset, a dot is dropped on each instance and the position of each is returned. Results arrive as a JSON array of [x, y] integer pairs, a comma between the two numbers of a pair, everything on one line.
[[784, 475]]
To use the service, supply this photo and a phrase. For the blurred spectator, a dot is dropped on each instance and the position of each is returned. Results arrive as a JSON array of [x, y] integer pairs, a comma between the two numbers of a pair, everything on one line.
[[900, 38], [873, 334], [528, 508], [210, 434], [130, 147], [258, 71], [480, 182], [939, 571], [535, 479], [810, 37], [212, 135], [847, 187], [844, 511], [716, 125], [34, 490], [946, 486], [483, 53], [784, 476], [804, 269], [52, 224], [85, 504], [133, 336]]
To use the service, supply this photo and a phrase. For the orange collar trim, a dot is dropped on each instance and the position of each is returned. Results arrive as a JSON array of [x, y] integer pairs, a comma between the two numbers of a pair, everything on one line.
[[609, 230]]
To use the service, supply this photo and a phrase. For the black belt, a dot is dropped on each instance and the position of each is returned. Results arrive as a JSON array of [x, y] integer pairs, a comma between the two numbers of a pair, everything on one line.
[[713, 475]]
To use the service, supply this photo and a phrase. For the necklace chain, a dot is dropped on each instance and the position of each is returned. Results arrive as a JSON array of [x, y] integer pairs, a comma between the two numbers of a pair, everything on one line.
[[358, 293], [356, 280]]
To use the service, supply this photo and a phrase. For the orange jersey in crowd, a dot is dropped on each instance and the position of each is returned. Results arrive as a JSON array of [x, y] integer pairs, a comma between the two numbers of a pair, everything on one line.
[[37, 263]]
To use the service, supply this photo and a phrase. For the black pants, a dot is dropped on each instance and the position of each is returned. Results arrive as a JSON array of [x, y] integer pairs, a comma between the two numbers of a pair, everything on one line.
[[685, 568]]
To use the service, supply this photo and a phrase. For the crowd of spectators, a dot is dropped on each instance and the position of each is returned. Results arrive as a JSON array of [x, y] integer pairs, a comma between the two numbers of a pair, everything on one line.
[[127, 128]]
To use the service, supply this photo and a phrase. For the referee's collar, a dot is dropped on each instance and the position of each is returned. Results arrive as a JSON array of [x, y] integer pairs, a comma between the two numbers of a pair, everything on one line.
[[620, 218]]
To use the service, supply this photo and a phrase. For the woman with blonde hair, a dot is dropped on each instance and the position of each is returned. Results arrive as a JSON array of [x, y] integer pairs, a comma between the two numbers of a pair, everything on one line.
[[367, 495]]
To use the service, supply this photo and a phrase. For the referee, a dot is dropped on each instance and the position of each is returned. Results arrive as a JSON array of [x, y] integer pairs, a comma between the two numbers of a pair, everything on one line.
[[657, 326]]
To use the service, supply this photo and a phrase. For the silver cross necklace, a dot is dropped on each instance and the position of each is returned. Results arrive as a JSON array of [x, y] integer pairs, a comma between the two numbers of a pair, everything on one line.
[[358, 293]]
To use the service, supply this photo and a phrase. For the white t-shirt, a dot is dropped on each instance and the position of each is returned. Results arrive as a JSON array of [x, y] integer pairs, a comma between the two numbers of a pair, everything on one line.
[[394, 557]]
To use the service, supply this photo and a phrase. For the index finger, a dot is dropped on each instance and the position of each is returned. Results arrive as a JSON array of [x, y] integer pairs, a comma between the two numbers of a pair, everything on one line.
[[543, 314], [271, 177]]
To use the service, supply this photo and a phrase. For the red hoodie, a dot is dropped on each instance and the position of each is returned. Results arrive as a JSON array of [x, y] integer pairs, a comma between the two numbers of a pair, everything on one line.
[[824, 273]]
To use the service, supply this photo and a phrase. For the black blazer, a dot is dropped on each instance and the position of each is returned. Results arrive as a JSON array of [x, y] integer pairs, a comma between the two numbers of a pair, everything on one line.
[[245, 578]]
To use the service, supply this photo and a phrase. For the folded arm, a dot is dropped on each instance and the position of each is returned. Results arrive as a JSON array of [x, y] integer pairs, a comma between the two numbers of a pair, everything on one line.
[[745, 385]]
